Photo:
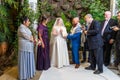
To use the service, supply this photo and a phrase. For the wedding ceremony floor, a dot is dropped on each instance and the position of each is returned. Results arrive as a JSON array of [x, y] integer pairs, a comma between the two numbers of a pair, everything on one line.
[[70, 73], [65, 73]]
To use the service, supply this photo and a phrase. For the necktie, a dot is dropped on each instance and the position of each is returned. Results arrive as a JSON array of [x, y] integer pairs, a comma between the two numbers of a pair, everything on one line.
[[105, 24]]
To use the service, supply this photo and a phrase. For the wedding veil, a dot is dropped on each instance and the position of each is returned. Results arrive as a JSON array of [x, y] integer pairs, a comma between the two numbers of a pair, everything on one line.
[[58, 22]]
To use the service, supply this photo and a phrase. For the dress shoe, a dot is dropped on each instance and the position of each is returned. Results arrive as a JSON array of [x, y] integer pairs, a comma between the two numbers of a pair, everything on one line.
[[118, 73], [112, 67], [77, 65], [89, 68], [98, 72], [71, 62], [106, 64], [82, 61]]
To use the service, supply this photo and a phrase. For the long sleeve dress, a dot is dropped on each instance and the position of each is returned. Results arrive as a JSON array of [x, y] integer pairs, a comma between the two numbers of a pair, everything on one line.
[[26, 63]]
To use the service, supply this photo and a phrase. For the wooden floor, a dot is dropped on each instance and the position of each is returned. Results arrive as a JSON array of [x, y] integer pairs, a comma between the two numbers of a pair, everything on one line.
[[11, 73]]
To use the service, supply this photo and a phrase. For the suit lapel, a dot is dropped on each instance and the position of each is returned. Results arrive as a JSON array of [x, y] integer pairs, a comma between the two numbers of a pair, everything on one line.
[[90, 25]]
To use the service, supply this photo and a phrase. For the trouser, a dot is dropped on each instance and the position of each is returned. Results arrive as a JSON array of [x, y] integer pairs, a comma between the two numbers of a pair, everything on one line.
[[107, 53], [96, 58], [75, 54], [85, 49], [117, 59]]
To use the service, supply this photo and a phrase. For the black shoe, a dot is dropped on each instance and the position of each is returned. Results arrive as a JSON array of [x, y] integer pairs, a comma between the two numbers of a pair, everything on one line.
[[82, 61], [98, 72], [77, 65], [89, 68], [106, 64], [89, 61]]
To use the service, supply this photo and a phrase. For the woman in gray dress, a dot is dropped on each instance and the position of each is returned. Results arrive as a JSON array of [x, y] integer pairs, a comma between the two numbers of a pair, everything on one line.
[[26, 63]]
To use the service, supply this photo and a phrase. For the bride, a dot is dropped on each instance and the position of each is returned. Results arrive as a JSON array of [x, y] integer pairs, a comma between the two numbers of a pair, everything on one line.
[[58, 45]]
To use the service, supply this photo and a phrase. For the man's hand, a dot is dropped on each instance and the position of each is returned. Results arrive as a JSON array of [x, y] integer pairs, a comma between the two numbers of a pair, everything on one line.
[[65, 36], [111, 41], [116, 28], [85, 32]]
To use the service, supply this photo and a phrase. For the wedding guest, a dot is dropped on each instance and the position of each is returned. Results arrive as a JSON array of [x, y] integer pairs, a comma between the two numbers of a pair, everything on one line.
[[43, 60], [26, 63], [95, 44], [108, 36], [117, 44], [58, 45], [84, 44]]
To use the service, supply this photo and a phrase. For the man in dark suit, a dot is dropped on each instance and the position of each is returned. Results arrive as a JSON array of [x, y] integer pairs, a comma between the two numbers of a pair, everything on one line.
[[95, 44], [117, 44], [108, 36]]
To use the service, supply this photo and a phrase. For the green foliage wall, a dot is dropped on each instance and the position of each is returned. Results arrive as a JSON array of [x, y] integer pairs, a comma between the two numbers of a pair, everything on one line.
[[95, 7], [6, 19], [72, 8]]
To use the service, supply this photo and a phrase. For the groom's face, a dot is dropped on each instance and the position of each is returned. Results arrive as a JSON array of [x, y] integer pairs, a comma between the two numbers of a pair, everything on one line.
[[74, 21]]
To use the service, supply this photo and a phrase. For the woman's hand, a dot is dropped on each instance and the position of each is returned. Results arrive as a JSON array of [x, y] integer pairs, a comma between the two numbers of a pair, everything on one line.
[[31, 39], [54, 32], [61, 30], [39, 43], [43, 46]]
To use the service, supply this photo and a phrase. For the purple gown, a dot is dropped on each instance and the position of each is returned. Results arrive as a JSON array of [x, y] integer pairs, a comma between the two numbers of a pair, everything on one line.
[[43, 59]]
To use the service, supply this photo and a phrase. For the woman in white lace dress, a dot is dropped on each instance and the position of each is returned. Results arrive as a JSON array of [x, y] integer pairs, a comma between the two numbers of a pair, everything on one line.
[[58, 45]]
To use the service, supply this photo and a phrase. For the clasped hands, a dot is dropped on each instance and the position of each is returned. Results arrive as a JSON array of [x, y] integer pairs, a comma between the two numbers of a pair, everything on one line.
[[35, 41], [63, 33]]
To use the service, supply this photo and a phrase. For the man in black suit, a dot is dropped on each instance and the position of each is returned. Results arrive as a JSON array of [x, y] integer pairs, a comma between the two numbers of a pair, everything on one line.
[[108, 36], [117, 43], [95, 44]]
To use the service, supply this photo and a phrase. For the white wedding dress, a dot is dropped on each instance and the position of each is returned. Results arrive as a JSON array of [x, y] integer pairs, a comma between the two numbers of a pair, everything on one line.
[[58, 49]]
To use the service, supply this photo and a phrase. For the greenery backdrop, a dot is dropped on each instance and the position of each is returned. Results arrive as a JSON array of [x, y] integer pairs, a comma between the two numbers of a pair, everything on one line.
[[11, 12]]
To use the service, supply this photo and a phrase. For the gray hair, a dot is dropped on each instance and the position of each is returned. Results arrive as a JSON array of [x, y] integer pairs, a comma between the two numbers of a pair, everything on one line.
[[89, 15], [108, 12], [76, 18]]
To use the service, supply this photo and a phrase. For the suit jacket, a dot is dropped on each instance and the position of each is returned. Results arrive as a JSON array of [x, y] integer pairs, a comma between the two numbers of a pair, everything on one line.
[[94, 37], [118, 36], [108, 32], [75, 37]]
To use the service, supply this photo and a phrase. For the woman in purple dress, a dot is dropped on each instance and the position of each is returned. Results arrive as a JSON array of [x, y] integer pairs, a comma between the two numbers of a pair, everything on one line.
[[43, 60]]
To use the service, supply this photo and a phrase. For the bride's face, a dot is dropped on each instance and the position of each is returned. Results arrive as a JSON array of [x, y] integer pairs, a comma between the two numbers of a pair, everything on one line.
[[59, 22]]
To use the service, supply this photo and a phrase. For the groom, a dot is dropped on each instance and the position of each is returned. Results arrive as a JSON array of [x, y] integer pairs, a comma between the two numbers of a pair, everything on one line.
[[74, 37]]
